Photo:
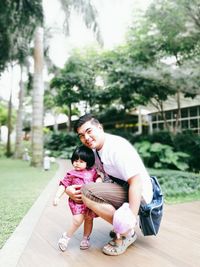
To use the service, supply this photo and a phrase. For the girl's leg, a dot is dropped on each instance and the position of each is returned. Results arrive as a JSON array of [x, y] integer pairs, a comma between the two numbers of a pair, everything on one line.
[[64, 240], [76, 223], [88, 225]]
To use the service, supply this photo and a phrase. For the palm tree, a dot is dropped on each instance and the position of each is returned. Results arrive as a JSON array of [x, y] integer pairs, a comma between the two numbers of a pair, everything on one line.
[[17, 23], [38, 96], [89, 13]]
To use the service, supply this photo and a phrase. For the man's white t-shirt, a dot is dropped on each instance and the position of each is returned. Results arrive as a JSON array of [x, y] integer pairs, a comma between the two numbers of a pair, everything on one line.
[[121, 160]]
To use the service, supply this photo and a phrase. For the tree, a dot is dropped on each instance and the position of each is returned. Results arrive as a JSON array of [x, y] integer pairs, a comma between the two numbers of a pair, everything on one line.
[[75, 82], [38, 93], [17, 22], [141, 73], [89, 15]]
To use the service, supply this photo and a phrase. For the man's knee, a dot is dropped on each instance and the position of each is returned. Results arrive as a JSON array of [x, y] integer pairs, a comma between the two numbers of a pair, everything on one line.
[[83, 189], [86, 190], [88, 196], [87, 201], [93, 193]]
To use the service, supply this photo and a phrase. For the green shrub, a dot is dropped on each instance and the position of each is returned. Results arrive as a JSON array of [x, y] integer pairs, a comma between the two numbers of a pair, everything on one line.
[[187, 142], [61, 144], [177, 184], [66, 153], [161, 156], [190, 144]]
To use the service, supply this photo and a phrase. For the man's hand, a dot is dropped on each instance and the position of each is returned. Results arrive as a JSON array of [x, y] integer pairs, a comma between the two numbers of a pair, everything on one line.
[[73, 191]]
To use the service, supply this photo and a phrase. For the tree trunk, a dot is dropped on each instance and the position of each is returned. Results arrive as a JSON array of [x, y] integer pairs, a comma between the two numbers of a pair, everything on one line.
[[69, 118], [166, 124], [19, 125], [178, 115], [8, 145], [38, 96], [55, 126]]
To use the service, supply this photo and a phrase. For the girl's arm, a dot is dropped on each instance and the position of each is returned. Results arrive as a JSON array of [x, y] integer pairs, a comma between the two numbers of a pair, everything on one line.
[[59, 193]]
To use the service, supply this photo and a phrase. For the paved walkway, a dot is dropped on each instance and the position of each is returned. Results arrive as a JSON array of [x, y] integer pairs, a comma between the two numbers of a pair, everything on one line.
[[34, 243]]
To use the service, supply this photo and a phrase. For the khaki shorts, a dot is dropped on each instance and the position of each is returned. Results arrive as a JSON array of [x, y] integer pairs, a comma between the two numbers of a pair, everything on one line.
[[110, 193]]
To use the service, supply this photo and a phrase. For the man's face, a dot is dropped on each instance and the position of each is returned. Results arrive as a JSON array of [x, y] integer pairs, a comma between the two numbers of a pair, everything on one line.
[[91, 135]]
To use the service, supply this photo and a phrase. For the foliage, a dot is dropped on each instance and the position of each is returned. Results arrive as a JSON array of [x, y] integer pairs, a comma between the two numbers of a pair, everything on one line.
[[65, 153], [163, 137], [75, 83], [137, 73], [61, 141], [161, 156], [122, 77], [169, 31], [3, 114], [18, 20], [170, 23], [87, 11], [186, 142], [177, 185], [73, 79], [190, 144]]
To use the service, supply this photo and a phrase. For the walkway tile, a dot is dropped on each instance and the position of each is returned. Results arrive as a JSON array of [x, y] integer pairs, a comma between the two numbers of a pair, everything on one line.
[[176, 245]]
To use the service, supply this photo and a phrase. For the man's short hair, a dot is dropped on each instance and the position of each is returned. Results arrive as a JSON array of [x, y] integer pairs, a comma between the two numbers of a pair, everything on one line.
[[83, 119]]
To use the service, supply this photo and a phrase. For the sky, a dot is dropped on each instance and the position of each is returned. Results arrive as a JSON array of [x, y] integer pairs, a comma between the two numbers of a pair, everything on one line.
[[114, 18]]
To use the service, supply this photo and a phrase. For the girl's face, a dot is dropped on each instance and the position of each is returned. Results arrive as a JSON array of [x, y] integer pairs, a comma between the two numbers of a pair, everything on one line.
[[79, 165]]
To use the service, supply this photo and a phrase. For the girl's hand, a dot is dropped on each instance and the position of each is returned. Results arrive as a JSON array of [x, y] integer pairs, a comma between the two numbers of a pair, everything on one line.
[[73, 191]]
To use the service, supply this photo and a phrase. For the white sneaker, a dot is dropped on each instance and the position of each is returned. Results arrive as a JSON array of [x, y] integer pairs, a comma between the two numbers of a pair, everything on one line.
[[63, 242]]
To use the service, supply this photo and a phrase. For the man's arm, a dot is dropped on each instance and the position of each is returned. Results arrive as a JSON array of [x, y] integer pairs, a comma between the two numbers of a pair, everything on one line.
[[135, 193]]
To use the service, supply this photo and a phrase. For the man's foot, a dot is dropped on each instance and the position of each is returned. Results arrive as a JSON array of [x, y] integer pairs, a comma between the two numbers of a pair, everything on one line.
[[85, 244], [63, 242], [119, 246]]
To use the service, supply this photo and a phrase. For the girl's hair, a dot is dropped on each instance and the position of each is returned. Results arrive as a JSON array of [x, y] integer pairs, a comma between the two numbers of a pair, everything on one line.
[[84, 153]]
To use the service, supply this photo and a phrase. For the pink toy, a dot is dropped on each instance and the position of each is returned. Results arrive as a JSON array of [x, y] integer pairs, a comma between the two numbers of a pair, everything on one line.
[[123, 219]]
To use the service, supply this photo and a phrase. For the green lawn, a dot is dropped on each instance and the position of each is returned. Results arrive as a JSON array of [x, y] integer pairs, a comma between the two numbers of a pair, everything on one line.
[[20, 185]]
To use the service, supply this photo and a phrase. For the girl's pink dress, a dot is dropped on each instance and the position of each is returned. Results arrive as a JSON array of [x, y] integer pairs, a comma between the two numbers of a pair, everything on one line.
[[74, 177]]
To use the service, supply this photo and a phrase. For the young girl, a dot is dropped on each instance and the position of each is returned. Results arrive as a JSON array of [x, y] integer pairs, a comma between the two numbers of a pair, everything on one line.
[[82, 160]]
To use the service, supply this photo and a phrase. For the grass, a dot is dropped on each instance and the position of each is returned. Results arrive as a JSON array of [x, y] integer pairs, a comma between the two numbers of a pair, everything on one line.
[[20, 185]]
